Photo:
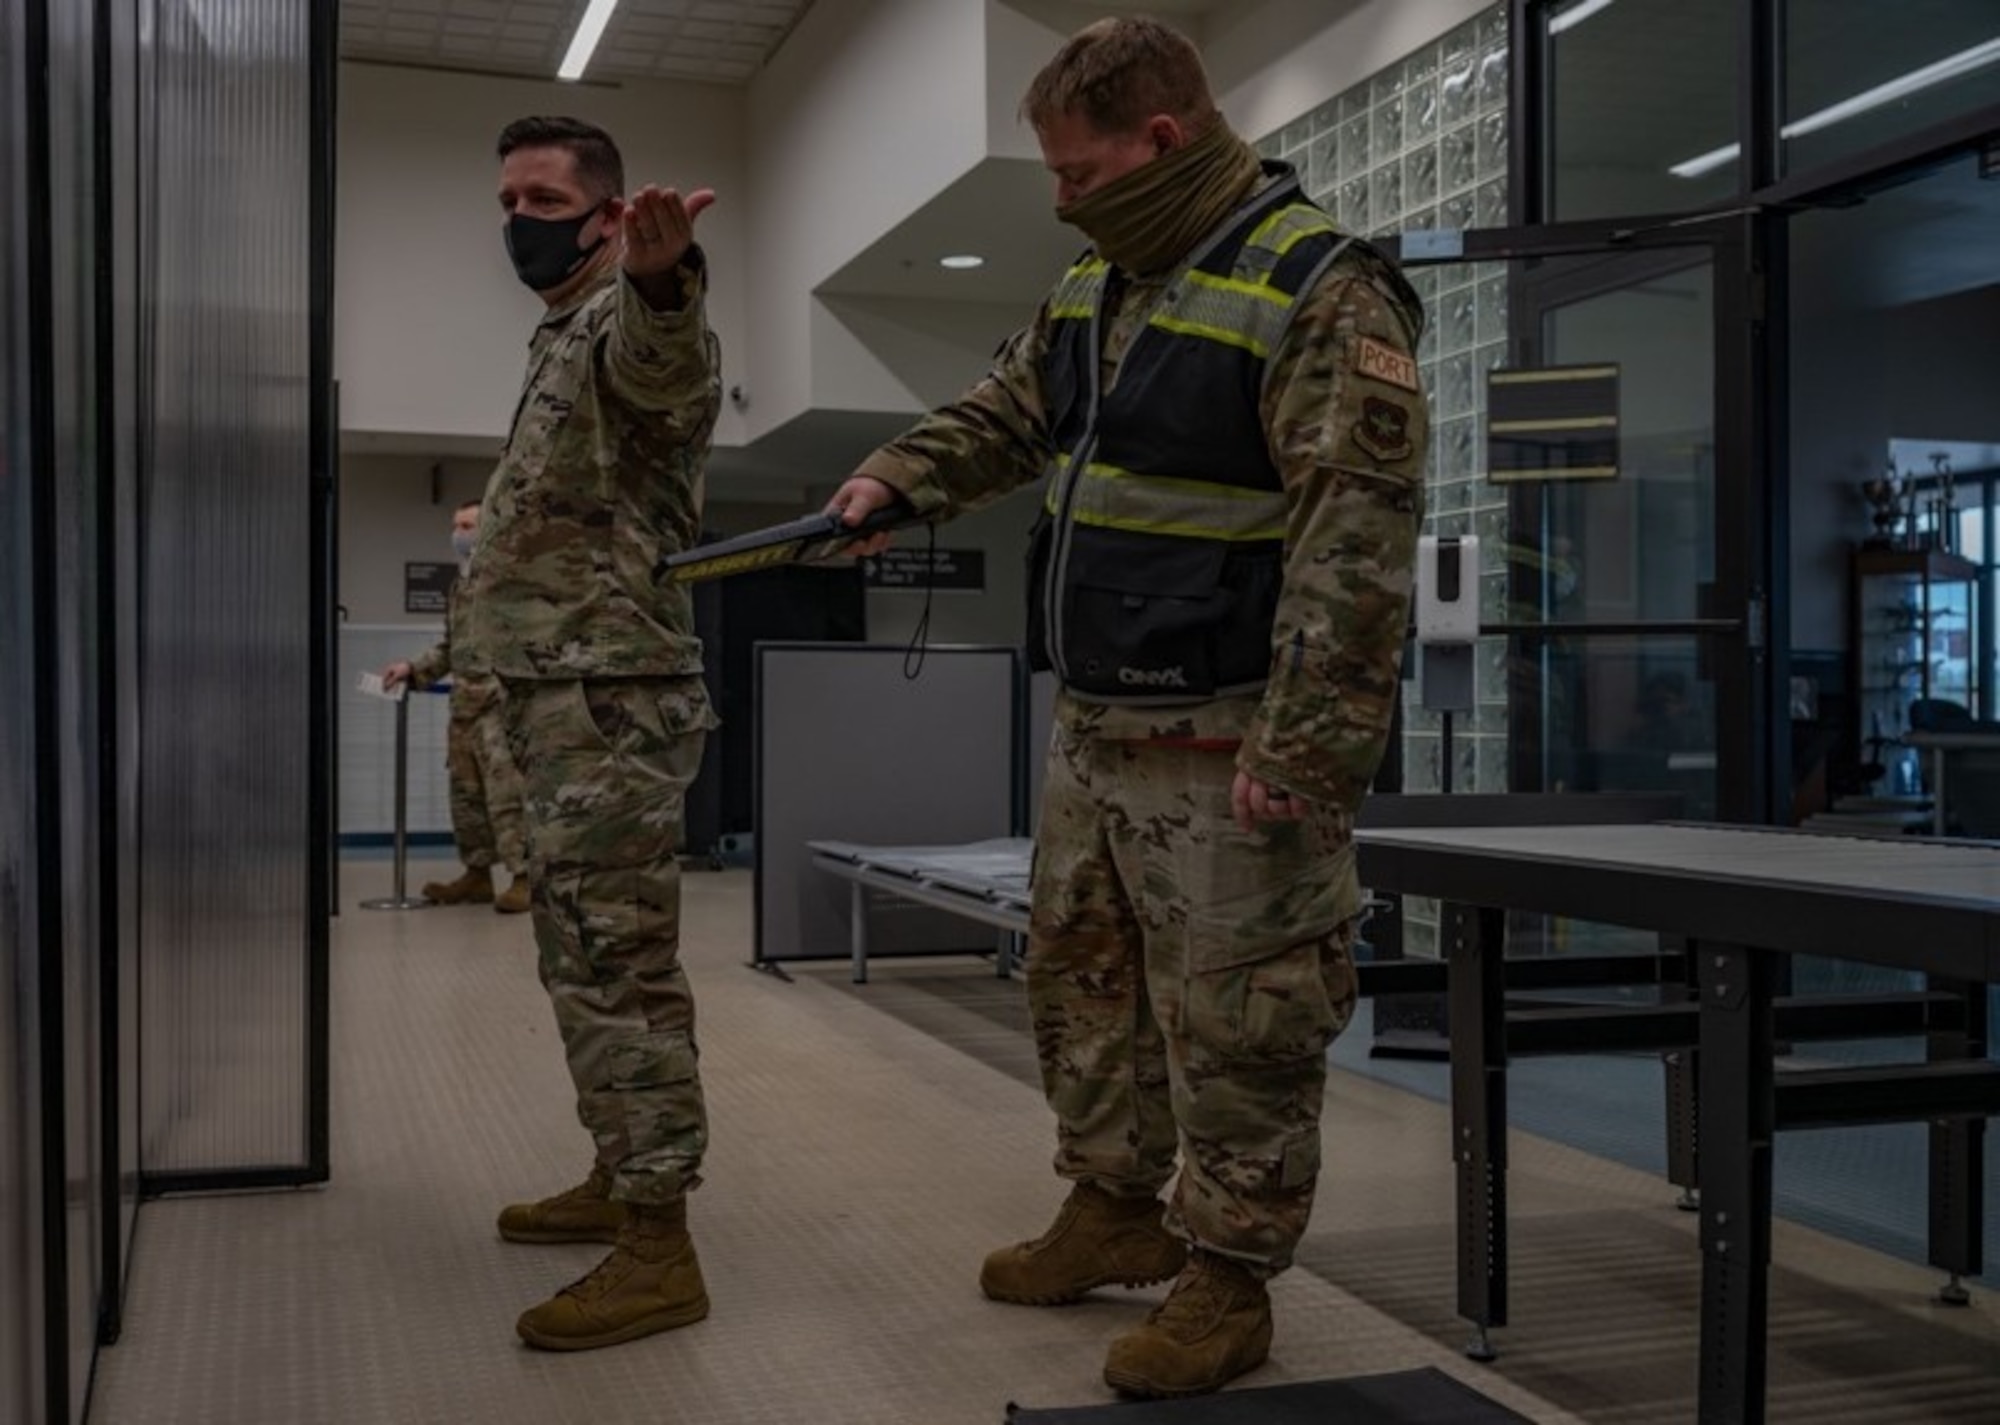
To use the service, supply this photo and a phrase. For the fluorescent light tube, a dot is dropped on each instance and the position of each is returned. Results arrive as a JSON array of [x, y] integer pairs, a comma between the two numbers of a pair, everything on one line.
[[589, 30], [1707, 162], [1951, 67], [1964, 62], [1578, 15]]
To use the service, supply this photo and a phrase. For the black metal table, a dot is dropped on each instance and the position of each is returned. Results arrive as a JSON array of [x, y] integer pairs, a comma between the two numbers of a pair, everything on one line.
[[1740, 897]]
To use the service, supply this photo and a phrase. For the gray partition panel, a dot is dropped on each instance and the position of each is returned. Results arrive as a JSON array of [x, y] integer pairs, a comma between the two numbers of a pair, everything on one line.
[[231, 832], [850, 749]]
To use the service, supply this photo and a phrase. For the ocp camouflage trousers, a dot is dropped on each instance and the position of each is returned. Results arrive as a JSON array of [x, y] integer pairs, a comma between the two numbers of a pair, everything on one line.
[[606, 766], [485, 787], [1186, 979]]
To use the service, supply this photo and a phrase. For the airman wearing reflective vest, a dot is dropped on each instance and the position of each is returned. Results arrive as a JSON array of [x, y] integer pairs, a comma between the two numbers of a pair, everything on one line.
[[1221, 406]]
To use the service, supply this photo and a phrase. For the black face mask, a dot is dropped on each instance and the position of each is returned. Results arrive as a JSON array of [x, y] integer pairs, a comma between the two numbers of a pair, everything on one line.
[[544, 250]]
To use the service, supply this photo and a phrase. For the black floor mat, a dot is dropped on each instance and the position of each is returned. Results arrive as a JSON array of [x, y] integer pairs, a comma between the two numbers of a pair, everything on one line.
[[1425, 1397]]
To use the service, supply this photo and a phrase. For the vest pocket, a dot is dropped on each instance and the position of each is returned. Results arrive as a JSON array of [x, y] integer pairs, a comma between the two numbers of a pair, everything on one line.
[[1251, 583], [1141, 622]]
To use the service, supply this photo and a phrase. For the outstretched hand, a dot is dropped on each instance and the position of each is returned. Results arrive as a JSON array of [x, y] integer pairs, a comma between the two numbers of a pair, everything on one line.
[[658, 224]]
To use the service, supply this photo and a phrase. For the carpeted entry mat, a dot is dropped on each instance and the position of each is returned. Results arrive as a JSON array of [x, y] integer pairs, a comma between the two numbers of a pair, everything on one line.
[[1424, 1397]]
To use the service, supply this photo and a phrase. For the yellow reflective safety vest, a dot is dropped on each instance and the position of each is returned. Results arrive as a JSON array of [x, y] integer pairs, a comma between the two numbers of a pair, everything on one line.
[[1157, 562]]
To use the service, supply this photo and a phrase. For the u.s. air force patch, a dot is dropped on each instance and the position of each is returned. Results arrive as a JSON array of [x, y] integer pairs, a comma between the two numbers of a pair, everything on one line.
[[1383, 430], [1386, 364]]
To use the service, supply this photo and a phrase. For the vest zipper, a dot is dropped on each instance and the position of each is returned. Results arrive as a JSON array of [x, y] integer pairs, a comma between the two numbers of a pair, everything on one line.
[[1053, 581]]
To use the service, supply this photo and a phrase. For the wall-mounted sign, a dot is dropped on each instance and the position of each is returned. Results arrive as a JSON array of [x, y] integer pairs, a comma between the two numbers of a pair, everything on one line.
[[945, 570], [427, 587], [1556, 423]]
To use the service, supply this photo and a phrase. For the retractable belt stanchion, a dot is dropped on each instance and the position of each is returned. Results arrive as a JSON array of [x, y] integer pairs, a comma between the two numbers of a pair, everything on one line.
[[400, 899]]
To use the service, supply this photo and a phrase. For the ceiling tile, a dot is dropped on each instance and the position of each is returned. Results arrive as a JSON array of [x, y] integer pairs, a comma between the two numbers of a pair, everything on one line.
[[711, 40]]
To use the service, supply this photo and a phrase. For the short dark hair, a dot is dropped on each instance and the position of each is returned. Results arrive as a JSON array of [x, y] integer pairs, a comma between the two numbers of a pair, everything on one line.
[[1117, 73], [465, 505], [599, 169]]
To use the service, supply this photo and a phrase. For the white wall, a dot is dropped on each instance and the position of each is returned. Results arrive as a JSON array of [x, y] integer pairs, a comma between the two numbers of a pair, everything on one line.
[[432, 327], [998, 615], [899, 354], [387, 519], [870, 109], [1021, 37]]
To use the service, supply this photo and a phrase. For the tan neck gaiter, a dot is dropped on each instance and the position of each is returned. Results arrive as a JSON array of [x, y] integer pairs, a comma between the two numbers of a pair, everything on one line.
[[1151, 218]]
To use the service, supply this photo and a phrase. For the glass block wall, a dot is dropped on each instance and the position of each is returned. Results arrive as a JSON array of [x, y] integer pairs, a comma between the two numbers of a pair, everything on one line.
[[1423, 144]]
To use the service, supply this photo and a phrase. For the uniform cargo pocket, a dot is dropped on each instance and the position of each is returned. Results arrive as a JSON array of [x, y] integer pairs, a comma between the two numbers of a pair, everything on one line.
[[1277, 1008]]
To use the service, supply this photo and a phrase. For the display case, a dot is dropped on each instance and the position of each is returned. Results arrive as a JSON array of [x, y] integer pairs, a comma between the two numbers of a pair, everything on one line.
[[1914, 636]]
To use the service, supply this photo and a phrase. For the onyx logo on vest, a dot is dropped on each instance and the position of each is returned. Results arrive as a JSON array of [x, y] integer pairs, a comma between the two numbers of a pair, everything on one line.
[[1153, 677]]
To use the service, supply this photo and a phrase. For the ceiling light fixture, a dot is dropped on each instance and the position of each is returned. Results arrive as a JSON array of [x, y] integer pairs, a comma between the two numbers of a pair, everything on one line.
[[589, 30], [962, 261], [1951, 67], [1578, 15]]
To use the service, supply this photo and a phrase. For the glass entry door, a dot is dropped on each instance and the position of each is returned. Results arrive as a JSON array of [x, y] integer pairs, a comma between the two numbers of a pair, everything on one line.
[[1623, 615]]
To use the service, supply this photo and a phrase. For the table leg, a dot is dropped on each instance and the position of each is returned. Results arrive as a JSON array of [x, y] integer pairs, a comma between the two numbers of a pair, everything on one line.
[[857, 930], [1475, 944], [1937, 791], [1738, 1116], [1683, 1080], [1957, 1156]]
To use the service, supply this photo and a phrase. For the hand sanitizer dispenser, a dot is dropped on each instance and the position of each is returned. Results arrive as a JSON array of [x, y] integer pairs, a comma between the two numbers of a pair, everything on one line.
[[1447, 619]]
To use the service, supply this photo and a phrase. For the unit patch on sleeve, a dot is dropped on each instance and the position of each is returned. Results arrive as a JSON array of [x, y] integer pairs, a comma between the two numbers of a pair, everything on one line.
[[1383, 430]]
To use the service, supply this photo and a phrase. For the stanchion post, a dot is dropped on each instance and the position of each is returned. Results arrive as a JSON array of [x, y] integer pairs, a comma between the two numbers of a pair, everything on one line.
[[400, 899]]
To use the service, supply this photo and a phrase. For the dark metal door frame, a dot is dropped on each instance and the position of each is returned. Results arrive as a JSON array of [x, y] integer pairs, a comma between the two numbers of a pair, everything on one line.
[[1742, 642], [323, 52], [1747, 604], [1753, 397], [49, 1189]]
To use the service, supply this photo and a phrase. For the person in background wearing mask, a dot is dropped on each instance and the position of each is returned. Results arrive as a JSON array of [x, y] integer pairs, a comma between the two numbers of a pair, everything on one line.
[[485, 788], [1222, 399], [606, 712]]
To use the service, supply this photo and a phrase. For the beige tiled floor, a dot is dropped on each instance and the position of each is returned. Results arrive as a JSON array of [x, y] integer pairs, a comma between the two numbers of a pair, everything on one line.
[[870, 1143]]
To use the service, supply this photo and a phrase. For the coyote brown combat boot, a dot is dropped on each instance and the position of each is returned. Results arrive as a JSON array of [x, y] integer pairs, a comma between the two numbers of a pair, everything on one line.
[[475, 887], [1213, 1326], [514, 899], [650, 1282], [1098, 1239], [586, 1213]]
